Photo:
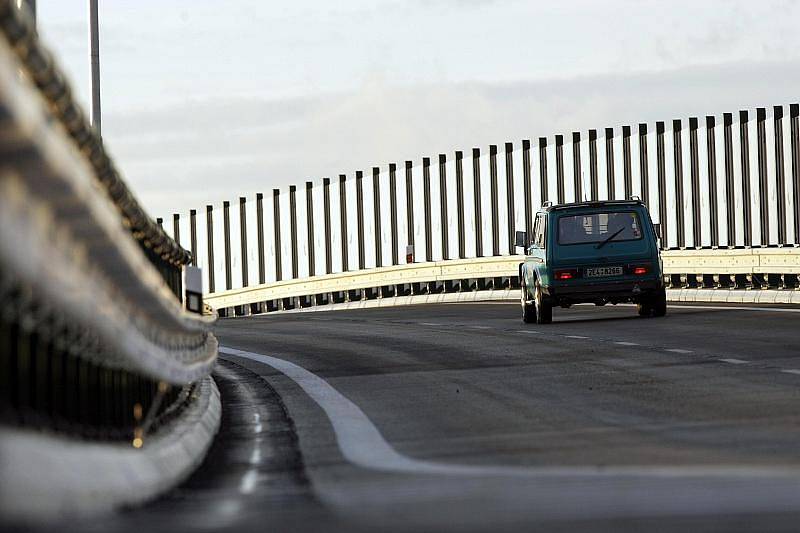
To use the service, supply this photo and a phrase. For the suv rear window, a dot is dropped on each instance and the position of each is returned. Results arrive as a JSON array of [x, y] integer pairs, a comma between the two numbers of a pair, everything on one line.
[[597, 227]]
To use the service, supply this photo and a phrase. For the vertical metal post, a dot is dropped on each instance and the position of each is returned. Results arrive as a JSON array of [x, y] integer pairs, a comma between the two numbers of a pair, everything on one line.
[[176, 227], [794, 127], [763, 178], [94, 59], [677, 144], [644, 171], [577, 181], [462, 252], [276, 224], [310, 228], [694, 175], [343, 221], [443, 206], [410, 205], [494, 199], [226, 227], [476, 198], [210, 246], [744, 138], [510, 203], [160, 222], [393, 212], [627, 170], [426, 192], [610, 183], [360, 218], [376, 215], [780, 173], [326, 205], [543, 181], [730, 188], [293, 230], [711, 151], [262, 268], [560, 169], [243, 240], [594, 185], [661, 167], [193, 234], [526, 186]]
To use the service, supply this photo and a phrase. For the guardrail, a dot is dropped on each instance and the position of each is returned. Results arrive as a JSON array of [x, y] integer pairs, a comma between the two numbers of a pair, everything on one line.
[[95, 339], [761, 268]]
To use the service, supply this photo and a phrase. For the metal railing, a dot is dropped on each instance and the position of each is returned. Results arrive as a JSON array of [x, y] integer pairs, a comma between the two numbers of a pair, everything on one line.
[[95, 339]]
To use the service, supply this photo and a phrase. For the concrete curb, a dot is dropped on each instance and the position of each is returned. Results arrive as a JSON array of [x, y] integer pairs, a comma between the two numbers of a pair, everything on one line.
[[754, 296], [46, 477]]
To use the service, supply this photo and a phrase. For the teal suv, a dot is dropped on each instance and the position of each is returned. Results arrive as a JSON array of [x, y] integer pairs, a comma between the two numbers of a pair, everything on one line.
[[593, 252]]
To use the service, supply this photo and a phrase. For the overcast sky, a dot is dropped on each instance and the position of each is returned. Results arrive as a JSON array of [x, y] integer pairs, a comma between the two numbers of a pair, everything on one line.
[[204, 101]]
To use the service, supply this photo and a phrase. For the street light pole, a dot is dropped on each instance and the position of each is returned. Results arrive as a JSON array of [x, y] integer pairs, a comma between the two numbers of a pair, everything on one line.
[[94, 55]]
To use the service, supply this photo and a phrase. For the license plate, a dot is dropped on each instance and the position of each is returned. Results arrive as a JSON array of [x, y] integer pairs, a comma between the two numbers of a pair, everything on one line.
[[601, 272]]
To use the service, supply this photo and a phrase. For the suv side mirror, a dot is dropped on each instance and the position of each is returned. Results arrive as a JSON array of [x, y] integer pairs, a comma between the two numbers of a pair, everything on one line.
[[521, 239]]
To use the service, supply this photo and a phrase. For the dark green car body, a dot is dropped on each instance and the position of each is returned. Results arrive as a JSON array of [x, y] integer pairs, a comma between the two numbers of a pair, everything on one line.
[[593, 252]]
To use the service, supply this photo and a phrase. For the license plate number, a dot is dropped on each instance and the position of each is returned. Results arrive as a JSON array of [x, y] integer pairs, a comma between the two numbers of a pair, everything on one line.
[[600, 272]]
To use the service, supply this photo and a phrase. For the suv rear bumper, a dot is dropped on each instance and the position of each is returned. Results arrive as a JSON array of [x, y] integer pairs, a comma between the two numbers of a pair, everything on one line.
[[611, 291]]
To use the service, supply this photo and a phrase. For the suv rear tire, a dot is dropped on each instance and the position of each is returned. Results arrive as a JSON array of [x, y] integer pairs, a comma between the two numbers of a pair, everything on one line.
[[528, 310], [659, 302], [544, 308]]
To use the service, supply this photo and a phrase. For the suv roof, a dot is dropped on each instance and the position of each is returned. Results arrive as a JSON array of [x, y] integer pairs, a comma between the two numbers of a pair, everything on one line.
[[548, 207]]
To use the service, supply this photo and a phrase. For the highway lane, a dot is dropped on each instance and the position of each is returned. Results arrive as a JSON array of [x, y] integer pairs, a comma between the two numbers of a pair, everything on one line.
[[460, 417]]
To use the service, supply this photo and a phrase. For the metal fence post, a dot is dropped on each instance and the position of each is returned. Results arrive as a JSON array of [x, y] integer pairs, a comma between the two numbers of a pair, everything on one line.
[[694, 175], [763, 178], [644, 171], [526, 186], [560, 169], [661, 166], [210, 246], [610, 183], [627, 165], [494, 199], [543, 185], [360, 218], [262, 270], [343, 221], [393, 212], [276, 224], [409, 204], [510, 222], [730, 189], [443, 206], [577, 179], [326, 204], [460, 204], [193, 234], [176, 227], [744, 137], [226, 225], [476, 198], [293, 230], [310, 228], [376, 215], [243, 233], [677, 144], [711, 150], [594, 185], [794, 131], [780, 174], [426, 191]]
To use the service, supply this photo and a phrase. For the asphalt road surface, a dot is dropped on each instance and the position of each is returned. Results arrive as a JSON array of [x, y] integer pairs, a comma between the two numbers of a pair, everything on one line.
[[461, 418]]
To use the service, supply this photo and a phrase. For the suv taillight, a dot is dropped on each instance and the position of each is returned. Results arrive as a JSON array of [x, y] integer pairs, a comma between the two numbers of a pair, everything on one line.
[[639, 270], [566, 274]]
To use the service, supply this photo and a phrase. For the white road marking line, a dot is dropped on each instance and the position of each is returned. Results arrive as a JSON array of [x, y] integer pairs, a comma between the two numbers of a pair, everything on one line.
[[249, 480], [479, 327], [678, 350], [363, 445], [576, 337], [791, 371], [429, 324], [624, 343], [733, 361]]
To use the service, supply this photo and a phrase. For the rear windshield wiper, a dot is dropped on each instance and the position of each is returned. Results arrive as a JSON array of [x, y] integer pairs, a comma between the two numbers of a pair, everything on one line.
[[608, 239]]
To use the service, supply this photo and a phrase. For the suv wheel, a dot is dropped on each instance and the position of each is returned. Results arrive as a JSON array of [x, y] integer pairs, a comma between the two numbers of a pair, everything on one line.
[[544, 308], [645, 307], [528, 309], [660, 303]]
